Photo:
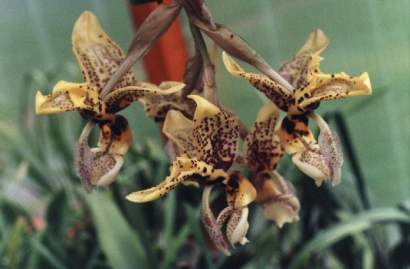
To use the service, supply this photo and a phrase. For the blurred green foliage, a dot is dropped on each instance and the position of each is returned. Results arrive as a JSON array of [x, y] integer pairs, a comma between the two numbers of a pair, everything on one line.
[[47, 220]]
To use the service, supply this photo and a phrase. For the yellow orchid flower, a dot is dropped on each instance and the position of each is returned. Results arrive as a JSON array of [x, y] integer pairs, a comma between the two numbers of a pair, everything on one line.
[[310, 85], [99, 57], [321, 159], [207, 146]]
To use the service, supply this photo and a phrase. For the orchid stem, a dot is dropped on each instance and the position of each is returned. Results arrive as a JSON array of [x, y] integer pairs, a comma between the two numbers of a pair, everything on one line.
[[209, 68]]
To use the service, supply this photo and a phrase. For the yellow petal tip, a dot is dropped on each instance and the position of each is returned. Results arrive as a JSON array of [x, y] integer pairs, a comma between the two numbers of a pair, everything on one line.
[[134, 197], [317, 41], [86, 28], [366, 81], [204, 108], [231, 66], [40, 99]]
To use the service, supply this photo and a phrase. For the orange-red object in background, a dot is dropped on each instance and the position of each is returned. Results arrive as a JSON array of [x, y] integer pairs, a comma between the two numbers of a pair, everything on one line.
[[167, 58]]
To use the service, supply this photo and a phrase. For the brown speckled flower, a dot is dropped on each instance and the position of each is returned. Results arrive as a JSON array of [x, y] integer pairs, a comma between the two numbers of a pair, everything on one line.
[[99, 57], [208, 146], [311, 86]]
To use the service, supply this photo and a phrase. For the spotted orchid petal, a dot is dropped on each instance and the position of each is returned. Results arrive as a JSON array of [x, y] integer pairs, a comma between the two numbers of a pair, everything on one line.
[[182, 169], [330, 149], [215, 133], [237, 227], [212, 225], [298, 70], [329, 87], [99, 57], [119, 99], [273, 90], [311, 163], [263, 149], [277, 198], [99, 166], [68, 96]]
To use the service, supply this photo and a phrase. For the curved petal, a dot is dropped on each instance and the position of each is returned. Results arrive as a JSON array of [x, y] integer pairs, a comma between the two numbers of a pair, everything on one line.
[[263, 148], [204, 108], [240, 191], [312, 164], [329, 87], [211, 225], [99, 166], [271, 89], [298, 70], [330, 149], [276, 197], [295, 135], [182, 169], [216, 134], [68, 96], [98, 56], [315, 43], [121, 98], [179, 129], [237, 227]]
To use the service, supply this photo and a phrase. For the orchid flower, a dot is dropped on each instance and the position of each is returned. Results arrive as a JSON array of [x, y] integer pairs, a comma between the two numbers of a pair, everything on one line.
[[208, 145], [99, 57], [311, 86]]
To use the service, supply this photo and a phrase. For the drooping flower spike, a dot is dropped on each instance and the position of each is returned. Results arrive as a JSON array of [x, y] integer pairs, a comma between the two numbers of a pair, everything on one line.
[[310, 85], [99, 57]]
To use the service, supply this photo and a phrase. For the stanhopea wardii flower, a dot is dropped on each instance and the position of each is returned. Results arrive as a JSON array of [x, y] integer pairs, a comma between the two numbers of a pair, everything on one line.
[[320, 160], [202, 138], [208, 145], [99, 57]]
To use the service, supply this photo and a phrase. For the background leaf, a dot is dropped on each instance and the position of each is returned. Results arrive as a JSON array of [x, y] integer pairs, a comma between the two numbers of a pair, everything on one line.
[[119, 242]]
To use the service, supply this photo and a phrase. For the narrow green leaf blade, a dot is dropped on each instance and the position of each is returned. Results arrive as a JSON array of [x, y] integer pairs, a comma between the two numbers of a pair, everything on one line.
[[119, 242]]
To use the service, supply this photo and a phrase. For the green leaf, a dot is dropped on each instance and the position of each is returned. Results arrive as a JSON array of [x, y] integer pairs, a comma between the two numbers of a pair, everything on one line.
[[356, 224], [12, 252], [38, 247], [175, 243], [119, 242]]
